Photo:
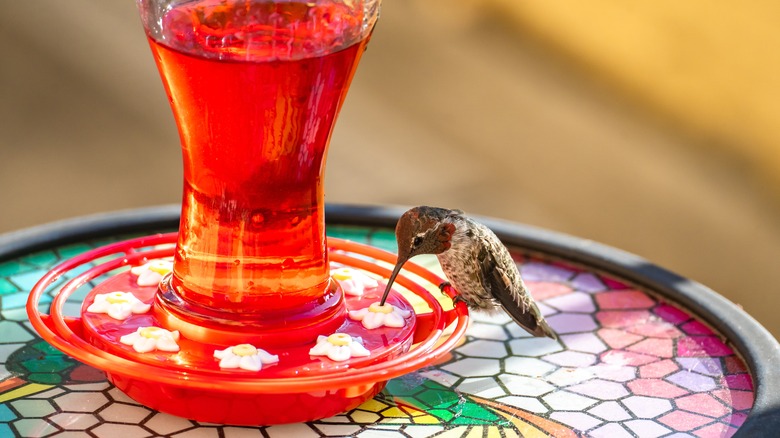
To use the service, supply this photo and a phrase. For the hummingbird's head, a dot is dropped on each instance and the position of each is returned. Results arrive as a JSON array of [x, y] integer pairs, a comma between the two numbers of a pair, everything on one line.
[[423, 230]]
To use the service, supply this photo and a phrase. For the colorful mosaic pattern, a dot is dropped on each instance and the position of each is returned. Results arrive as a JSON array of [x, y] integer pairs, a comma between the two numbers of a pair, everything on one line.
[[627, 365]]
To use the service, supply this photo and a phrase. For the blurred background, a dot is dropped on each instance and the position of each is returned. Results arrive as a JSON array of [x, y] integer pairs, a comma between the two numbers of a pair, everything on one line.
[[651, 127]]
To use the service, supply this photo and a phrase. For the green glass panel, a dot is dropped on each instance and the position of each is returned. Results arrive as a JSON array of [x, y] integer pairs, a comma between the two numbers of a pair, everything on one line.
[[401, 387], [438, 398], [45, 378], [383, 239], [355, 234], [49, 364], [442, 414], [12, 267], [13, 315], [7, 287], [47, 349], [471, 409], [15, 300], [109, 240], [43, 259], [27, 280], [69, 251], [469, 420]]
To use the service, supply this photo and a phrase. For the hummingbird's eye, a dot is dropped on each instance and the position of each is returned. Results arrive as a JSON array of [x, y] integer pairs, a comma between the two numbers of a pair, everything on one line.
[[417, 241]]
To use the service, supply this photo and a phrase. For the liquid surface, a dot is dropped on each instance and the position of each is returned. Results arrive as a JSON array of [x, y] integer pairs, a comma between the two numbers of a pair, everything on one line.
[[257, 30]]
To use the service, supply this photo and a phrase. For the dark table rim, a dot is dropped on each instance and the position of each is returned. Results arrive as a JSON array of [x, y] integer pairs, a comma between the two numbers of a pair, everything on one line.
[[754, 343]]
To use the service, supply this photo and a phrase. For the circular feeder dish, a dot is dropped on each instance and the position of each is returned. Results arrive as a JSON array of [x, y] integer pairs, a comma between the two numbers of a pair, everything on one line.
[[190, 383]]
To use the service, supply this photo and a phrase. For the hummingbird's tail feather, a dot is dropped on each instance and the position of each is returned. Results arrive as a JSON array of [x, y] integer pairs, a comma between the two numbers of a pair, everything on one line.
[[544, 329], [528, 317]]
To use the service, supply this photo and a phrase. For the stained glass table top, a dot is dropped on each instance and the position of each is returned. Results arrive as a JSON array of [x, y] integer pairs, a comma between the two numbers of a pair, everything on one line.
[[630, 362]]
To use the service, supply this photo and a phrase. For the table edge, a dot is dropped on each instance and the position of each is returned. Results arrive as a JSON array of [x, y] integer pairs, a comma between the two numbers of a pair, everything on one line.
[[753, 342]]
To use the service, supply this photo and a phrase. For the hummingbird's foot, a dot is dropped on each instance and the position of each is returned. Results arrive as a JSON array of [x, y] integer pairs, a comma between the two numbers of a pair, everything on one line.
[[444, 285], [459, 299]]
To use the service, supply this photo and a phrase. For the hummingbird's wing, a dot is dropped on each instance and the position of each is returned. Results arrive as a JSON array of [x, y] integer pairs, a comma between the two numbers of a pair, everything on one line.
[[504, 283]]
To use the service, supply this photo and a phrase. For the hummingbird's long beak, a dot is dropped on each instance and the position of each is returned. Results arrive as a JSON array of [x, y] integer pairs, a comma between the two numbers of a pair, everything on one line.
[[398, 265]]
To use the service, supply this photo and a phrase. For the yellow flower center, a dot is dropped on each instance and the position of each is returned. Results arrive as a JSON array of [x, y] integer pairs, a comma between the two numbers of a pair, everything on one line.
[[117, 298], [339, 339], [151, 332], [342, 274], [244, 350], [376, 308], [161, 268]]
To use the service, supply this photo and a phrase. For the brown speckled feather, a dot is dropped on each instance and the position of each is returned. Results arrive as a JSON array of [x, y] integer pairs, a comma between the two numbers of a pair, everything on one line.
[[476, 263]]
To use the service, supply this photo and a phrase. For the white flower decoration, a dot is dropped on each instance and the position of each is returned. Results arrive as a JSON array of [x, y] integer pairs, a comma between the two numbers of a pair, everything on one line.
[[352, 281], [118, 305], [147, 339], [152, 272], [245, 356], [375, 316], [339, 347]]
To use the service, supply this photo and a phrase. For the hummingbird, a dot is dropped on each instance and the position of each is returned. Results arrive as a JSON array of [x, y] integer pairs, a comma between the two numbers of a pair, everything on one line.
[[474, 261]]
